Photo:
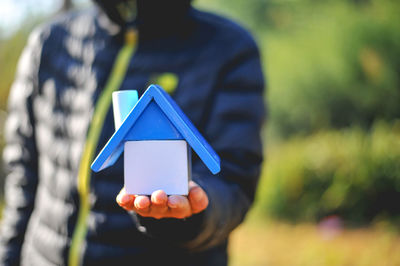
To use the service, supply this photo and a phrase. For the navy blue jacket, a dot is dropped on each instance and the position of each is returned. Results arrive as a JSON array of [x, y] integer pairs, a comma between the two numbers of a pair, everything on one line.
[[61, 73]]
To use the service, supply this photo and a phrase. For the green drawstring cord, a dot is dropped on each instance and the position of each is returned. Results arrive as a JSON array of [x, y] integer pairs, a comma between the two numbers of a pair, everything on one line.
[[102, 106]]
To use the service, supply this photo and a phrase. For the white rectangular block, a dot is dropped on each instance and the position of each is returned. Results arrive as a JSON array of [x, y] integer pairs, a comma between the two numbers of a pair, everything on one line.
[[156, 164]]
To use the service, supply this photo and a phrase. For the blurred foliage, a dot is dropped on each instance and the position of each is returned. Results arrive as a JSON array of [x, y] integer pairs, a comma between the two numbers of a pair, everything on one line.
[[333, 72], [10, 50], [351, 173], [340, 68], [328, 63]]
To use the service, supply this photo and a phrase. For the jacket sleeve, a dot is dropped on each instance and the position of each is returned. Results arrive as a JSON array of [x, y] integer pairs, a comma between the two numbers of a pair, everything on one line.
[[20, 157], [233, 127]]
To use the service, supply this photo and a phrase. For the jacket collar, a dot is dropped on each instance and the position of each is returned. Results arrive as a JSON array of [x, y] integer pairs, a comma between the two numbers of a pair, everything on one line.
[[152, 18]]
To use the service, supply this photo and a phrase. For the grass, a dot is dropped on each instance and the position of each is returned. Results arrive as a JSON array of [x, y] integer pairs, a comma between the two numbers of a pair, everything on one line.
[[258, 242]]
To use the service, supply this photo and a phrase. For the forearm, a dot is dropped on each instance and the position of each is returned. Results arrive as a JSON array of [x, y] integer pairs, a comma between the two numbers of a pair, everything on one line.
[[228, 204], [227, 208]]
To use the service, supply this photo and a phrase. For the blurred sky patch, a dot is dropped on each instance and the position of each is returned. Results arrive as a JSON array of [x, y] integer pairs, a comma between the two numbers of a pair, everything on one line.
[[14, 13]]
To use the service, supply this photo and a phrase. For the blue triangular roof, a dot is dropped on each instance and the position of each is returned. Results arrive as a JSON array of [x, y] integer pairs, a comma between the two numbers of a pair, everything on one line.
[[156, 116]]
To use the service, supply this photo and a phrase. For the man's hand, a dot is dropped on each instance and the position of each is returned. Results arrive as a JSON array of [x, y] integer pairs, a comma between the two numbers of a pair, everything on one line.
[[159, 205]]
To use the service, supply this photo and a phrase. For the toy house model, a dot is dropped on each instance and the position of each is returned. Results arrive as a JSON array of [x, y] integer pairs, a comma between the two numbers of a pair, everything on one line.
[[156, 137]]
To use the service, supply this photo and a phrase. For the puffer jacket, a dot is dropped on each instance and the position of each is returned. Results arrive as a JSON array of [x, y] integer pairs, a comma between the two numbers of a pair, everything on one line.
[[61, 73]]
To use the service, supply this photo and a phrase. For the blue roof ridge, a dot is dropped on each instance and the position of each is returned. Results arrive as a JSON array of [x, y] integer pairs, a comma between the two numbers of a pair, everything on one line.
[[196, 141], [113, 148]]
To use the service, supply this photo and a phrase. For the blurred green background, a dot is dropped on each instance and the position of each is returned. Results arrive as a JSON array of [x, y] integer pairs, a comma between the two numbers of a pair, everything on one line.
[[332, 139]]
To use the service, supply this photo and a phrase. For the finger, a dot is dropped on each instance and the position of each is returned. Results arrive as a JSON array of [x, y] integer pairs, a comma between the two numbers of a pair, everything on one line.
[[142, 204], [159, 198], [119, 196], [198, 199], [159, 207], [124, 200], [178, 202], [192, 184], [179, 206]]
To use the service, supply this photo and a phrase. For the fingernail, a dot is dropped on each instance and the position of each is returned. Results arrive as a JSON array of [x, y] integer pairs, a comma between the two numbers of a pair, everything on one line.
[[138, 205], [125, 199], [173, 202], [158, 197], [197, 197]]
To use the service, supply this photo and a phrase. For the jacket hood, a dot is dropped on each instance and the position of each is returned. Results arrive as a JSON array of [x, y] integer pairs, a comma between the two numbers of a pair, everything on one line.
[[147, 15]]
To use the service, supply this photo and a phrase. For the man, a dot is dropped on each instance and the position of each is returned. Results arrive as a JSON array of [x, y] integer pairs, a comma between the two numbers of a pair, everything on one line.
[[59, 213]]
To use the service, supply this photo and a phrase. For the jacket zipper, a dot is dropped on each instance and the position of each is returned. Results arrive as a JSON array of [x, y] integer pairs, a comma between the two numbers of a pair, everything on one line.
[[114, 82]]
